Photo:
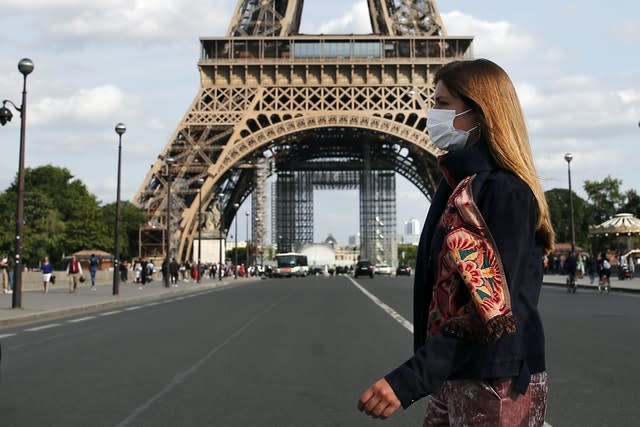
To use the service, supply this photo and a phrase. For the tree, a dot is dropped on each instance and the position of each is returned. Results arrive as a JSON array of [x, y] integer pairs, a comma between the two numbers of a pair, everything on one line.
[[560, 211], [131, 218], [410, 253], [61, 216], [632, 203], [605, 198]]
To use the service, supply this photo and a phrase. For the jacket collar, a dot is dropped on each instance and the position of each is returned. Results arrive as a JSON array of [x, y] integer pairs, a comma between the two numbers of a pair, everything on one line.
[[457, 165]]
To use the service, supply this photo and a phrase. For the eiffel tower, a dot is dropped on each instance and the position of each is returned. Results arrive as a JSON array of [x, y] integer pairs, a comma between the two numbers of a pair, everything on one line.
[[317, 111]]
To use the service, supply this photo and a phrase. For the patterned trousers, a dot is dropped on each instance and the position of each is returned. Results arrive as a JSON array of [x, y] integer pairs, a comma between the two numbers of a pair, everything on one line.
[[466, 403]]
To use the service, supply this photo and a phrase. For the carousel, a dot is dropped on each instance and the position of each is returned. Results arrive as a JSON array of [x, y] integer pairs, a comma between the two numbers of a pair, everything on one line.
[[621, 234]]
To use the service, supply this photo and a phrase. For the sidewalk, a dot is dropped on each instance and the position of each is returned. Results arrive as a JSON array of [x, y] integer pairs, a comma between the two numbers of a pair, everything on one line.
[[58, 302], [627, 285]]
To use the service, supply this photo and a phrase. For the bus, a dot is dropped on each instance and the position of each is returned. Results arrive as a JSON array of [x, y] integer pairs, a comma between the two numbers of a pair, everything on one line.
[[291, 264]]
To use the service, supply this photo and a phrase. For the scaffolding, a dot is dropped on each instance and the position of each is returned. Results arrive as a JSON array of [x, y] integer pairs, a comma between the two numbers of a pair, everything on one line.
[[292, 208]]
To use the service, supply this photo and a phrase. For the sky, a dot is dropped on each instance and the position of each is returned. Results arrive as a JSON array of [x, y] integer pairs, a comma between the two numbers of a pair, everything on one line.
[[574, 63]]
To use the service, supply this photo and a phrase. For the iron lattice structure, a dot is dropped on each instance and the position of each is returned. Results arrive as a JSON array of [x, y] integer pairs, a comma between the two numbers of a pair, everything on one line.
[[273, 101]]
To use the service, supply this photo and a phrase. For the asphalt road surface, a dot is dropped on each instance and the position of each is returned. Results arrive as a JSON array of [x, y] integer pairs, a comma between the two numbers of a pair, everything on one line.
[[287, 352]]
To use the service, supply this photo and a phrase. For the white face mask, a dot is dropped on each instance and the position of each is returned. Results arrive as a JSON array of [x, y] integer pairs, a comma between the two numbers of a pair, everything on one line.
[[441, 130]]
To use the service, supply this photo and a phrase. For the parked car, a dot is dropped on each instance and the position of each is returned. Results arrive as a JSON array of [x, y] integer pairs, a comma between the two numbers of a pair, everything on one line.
[[364, 268], [403, 270], [383, 269]]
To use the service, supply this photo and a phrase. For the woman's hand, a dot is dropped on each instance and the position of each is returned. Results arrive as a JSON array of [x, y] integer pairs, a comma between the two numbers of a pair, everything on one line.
[[379, 400]]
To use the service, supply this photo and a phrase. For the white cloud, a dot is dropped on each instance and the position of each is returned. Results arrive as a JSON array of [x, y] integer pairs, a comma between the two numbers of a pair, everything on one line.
[[354, 21], [629, 96], [628, 30], [150, 20], [95, 105], [492, 39]]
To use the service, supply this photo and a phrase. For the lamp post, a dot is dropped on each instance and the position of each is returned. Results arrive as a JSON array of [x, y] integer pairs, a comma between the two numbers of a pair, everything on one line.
[[568, 157], [25, 66], [167, 258], [120, 130], [235, 247], [221, 234], [201, 182], [247, 238]]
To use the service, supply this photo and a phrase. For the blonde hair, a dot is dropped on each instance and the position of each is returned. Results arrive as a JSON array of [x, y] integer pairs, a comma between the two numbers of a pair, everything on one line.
[[488, 90]]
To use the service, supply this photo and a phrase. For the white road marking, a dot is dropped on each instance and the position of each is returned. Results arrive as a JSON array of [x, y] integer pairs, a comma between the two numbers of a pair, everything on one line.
[[135, 307], [109, 313], [390, 311], [7, 335], [82, 319], [39, 328]]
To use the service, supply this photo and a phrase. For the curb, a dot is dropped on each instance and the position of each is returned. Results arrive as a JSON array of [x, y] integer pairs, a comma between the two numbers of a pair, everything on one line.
[[65, 312], [594, 287]]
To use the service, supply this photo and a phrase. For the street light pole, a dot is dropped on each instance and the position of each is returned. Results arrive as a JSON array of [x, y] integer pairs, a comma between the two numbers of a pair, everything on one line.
[[25, 66], [568, 157], [120, 130], [201, 182], [235, 247], [221, 234], [167, 258], [247, 238]]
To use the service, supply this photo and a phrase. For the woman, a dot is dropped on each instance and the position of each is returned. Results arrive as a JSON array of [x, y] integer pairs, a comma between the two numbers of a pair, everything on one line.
[[47, 270], [478, 337]]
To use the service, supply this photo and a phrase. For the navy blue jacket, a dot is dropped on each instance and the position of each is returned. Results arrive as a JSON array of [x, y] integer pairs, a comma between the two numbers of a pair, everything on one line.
[[509, 210]]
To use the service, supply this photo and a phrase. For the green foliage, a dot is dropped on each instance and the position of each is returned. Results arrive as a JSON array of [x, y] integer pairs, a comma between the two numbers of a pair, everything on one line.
[[410, 253], [632, 203], [559, 207], [131, 218], [61, 217], [605, 199]]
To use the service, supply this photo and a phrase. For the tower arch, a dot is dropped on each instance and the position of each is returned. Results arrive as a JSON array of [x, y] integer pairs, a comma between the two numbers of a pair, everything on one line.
[[269, 90]]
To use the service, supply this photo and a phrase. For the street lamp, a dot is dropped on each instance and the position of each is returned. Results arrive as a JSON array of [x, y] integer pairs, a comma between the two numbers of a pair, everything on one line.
[[167, 258], [220, 196], [25, 66], [568, 157], [247, 238], [201, 182], [120, 130], [235, 247]]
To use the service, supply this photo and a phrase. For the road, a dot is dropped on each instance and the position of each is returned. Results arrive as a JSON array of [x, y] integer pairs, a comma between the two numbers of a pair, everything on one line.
[[287, 352]]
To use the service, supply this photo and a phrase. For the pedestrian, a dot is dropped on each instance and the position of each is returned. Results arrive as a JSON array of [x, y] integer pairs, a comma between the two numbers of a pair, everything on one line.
[[74, 272], [604, 271], [4, 267], [143, 273], [478, 337], [47, 274], [93, 269], [174, 269], [137, 268], [124, 271], [571, 268], [11, 266], [592, 268]]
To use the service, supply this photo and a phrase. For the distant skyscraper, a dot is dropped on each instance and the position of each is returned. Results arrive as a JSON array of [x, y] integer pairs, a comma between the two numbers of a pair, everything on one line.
[[412, 227], [411, 231]]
